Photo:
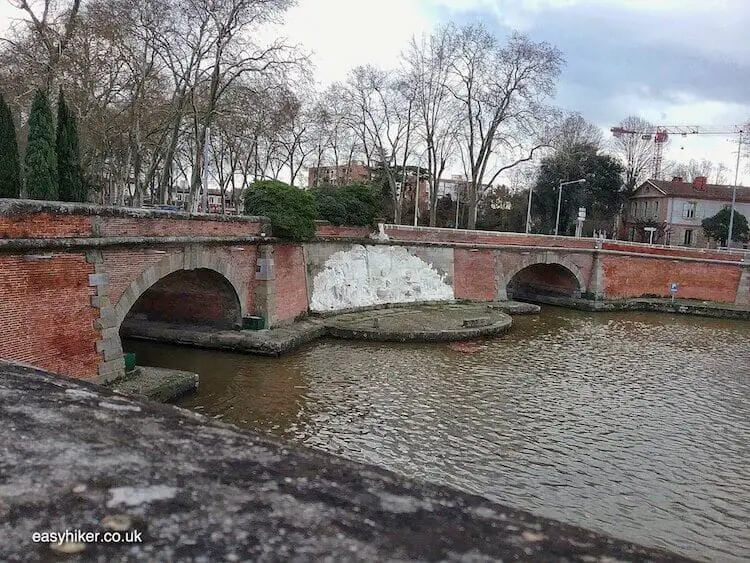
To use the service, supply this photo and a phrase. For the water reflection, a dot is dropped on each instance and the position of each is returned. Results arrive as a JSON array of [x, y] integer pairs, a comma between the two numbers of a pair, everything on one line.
[[633, 424]]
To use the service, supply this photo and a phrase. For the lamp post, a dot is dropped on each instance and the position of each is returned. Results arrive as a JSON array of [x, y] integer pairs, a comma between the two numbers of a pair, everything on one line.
[[416, 189], [528, 211], [734, 192], [559, 198], [416, 197]]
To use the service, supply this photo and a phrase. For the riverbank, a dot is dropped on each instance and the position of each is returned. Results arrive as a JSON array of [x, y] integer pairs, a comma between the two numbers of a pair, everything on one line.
[[197, 489], [656, 305], [423, 322], [431, 322]]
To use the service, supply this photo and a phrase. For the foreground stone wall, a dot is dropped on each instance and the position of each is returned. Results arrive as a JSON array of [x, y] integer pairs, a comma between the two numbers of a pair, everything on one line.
[[79, 457]]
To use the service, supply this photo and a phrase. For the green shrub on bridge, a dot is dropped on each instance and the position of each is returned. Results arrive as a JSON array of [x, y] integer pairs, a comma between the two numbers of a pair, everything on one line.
[[292, 211], [354, 204]]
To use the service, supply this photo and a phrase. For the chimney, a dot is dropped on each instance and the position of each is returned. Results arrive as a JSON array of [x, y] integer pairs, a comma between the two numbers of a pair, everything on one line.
[[677, 178], [700, 182]]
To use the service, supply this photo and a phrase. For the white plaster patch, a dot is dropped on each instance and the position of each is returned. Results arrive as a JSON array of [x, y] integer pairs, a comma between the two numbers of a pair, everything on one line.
[[373, 275], [119, 406], [133, 496]]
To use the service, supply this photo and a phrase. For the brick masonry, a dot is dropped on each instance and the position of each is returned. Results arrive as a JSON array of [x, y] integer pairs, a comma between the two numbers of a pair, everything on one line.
[[194, 297], [628, 276], [291, 287], [44, 225], [128, 226], [474, 272], [325, 230], [46, 313]]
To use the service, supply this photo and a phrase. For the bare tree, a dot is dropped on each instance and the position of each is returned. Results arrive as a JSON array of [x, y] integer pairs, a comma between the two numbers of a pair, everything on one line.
[[54, 25], [689, 171], [428, 66], [635, 150], [380, 101], [575, 130], [232, 55], [501, 91]]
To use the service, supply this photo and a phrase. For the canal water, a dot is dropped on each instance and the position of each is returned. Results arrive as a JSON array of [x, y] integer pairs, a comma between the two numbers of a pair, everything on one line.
[[632, 424]]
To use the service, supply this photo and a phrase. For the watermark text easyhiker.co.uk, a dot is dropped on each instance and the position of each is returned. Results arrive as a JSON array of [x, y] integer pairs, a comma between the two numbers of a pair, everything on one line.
[[81, 536]]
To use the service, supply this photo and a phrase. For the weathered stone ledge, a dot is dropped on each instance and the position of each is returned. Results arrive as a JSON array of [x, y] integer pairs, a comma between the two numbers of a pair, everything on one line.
[[267, 342], [77, 456], [379, 307], [515, 308], [158, 384], [68, 243], [18, 207], [658, 305]]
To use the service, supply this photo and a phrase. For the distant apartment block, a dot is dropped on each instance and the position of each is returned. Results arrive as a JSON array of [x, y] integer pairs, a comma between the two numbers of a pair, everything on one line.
[[339, 175]]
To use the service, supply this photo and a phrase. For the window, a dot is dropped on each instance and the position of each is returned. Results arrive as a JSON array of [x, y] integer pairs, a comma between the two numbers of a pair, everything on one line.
[[688, 238], [688, 210]]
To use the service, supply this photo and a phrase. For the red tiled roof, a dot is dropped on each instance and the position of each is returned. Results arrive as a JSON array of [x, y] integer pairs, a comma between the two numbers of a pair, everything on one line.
[[710, 191]]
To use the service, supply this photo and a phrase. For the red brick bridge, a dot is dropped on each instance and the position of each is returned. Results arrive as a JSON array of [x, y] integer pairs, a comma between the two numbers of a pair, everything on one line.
[[70, 274]]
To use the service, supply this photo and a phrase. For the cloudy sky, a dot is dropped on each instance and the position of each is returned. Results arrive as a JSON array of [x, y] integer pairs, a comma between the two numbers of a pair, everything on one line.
[[672, 62]]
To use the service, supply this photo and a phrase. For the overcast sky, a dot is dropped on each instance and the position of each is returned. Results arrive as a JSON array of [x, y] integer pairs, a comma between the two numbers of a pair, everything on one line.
[[672, 62]]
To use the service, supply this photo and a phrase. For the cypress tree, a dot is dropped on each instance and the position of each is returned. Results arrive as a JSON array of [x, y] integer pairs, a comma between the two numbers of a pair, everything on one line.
[[10, 164], [69, 171], [41, 161]]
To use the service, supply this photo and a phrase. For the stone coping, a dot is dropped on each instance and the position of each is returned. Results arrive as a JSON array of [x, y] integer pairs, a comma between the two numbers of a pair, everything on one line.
[[78, 456], [66, 243], [31, 206]]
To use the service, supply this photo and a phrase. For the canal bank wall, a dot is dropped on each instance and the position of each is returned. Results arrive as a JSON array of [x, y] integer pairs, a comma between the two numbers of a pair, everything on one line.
[[676, 306], [79, 457]]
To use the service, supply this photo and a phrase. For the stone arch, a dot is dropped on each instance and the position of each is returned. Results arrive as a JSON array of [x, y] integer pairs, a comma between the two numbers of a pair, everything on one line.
[[546, 259], [190, 258]]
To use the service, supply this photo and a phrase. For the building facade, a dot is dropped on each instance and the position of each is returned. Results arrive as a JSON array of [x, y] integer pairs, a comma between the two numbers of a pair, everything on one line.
[[676, 210], [339, 175]]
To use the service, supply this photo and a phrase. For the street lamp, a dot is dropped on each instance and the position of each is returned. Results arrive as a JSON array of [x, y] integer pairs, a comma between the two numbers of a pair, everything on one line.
[[416, 189], [734, 193], [528, 211], [559, 198]]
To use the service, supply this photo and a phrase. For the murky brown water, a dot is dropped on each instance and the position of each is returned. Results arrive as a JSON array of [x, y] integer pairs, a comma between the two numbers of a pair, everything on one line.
[[636, 424]]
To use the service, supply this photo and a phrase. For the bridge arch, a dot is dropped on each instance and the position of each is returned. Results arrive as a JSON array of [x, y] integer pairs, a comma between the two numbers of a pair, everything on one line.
[[190, 269], [544, 275]]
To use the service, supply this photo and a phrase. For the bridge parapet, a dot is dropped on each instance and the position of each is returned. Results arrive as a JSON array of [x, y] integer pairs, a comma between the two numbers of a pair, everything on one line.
[[31, 219]]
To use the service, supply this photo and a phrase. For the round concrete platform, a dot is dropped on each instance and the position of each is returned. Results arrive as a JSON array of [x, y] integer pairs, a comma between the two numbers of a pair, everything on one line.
[[422, 323]]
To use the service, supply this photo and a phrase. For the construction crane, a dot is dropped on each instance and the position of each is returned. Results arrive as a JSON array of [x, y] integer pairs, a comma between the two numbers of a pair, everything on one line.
[[660, 135]]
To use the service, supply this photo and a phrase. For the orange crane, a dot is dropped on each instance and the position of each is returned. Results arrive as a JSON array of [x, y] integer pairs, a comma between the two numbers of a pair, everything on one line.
[[661, 133]]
